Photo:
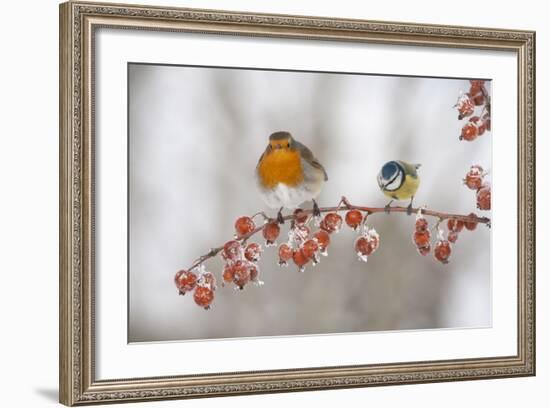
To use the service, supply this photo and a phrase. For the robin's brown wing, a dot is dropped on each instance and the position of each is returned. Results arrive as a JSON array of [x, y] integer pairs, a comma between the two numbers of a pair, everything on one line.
[[308, 156]]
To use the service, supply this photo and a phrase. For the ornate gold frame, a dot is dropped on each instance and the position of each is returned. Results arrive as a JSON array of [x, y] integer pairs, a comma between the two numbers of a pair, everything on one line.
[[78, 21]]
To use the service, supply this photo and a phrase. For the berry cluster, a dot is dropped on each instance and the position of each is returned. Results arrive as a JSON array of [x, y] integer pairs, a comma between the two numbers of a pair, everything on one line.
[[466, 105], [442, 249], [303, 246], [201, 282], [474, 180], [241, 259]]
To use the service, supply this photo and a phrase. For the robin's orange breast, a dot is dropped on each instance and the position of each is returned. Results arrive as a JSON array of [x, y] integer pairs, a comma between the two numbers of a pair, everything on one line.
[[281, 166]]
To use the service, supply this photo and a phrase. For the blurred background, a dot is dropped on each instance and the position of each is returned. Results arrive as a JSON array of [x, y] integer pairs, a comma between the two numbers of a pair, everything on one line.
[[195, 136]]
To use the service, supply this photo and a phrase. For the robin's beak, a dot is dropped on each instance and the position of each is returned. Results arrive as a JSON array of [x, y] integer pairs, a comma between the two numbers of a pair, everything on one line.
[[278, 146]]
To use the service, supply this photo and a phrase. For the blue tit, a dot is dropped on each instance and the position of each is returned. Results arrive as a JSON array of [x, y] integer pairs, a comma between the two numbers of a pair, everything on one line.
[[399, 180]]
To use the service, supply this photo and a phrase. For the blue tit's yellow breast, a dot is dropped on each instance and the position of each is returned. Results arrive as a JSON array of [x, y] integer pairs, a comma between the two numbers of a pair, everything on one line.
[[406, 190]]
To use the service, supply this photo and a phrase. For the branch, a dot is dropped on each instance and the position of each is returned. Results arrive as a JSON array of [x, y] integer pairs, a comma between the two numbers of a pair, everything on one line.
[[345, 205]]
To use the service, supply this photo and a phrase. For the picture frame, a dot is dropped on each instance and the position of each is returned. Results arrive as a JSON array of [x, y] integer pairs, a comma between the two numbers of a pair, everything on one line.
[[79, 290]]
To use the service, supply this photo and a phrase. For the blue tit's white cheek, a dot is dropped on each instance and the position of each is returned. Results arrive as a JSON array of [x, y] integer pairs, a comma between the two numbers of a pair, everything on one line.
[[396, 183]]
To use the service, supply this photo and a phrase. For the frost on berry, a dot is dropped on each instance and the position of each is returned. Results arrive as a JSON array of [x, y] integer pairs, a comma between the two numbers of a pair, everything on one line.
[[232, 250], [484, 197], [241, 273], [353, 218], [228, 273], [203, 296], [452, 236], [425, 250], [300, 217], [479, 124], [285, 254], [421, 224], [455, 225], [469, 132], [302, 232], [477, 92], [421, 239], [465, 106], [332, 222], [323, 239], [244, 226], [442, 251], [254, 273], [310, 247], [421, 236], [474, 177], [271, 233], [366, 244], [300, 259], [471, 225], [207, 279], [252, 252], [185, 281]]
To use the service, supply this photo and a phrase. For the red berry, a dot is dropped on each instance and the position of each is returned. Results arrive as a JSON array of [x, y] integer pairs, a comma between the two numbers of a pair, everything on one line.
[[476, 85], [480, 124], [241, 273], [442, 251], [252, 252], [455, 225], [323, 239], [271, 232], [285, 254], [300, 216], [185, 281], [310, 247], [452, 236], [232, 250], [332, 222], [203, 296], [228, 273], [364, 246], [470, 225], [484, 197], [244, 226], [254, 272], [421, 239], [469, 132], [425, 250], [300, 259], [354, 218], [421, 224], [474, 177], [465, 106]]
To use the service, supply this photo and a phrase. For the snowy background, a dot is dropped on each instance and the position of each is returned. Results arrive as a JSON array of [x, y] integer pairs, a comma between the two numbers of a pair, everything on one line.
[[195, 137]]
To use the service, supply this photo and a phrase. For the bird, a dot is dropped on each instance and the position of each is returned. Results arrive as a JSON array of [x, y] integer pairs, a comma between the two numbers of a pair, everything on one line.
[[288, 174], [399, 180]]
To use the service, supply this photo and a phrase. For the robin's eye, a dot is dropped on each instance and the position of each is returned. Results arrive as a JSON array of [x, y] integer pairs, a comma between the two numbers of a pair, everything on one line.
[[288, 144]]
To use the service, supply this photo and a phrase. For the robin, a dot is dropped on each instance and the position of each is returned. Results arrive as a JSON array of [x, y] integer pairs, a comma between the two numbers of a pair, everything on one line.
[[289, 174], [399, 180]]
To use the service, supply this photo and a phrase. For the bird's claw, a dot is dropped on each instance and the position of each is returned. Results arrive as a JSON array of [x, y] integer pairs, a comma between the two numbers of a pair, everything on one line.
[[316, 210], [387, 208], [409, 209], [280, 218]]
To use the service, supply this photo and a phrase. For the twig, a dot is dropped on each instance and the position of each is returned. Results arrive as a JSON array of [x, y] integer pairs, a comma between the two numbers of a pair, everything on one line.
[[348, 206]]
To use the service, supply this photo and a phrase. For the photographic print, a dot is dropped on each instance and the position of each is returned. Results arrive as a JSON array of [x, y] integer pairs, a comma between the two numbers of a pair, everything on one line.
[[279, 203]]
